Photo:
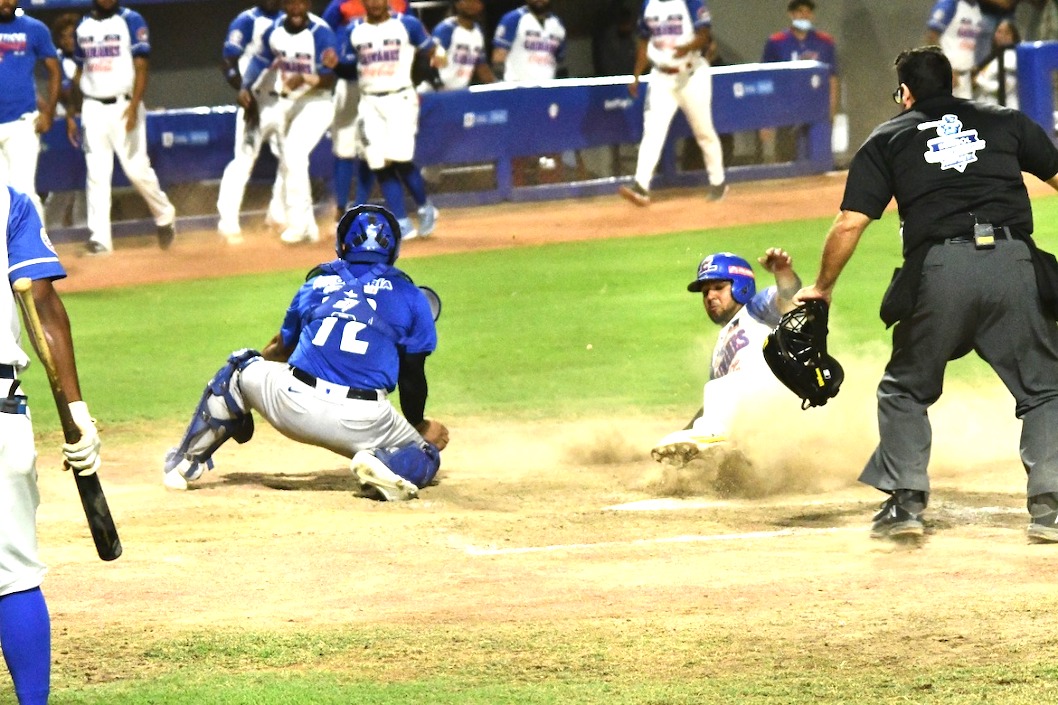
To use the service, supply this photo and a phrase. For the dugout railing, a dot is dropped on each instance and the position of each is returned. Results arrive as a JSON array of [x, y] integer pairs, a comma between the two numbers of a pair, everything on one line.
[[489, 131]]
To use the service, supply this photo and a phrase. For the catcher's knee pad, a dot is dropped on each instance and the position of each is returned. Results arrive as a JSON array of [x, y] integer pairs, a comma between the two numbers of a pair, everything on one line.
[[417, 463], [220, 415]]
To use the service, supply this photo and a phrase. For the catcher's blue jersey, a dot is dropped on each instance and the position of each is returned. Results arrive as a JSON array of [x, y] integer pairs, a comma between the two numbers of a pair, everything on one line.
[[351, 321]]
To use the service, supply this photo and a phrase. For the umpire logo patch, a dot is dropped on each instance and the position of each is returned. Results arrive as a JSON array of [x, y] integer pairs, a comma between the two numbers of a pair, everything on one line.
[[953, 147]]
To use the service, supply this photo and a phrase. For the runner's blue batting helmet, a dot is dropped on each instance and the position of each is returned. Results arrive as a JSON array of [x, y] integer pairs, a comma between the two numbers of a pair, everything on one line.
[[725, 266], [369, 234]]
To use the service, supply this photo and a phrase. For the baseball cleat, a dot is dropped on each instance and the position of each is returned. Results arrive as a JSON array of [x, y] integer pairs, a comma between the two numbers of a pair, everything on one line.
[[900, 516], [427, 219], [407, 229], [636, 194], [717, 192], [373, 474], [682, 447], [166, 234], [230, 232], [93, 248], [294, 237], [1044, 526]]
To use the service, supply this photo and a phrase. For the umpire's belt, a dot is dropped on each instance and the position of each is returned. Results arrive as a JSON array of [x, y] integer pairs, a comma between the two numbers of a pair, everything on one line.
[[109, 101], [1000, 232], [365, 394]]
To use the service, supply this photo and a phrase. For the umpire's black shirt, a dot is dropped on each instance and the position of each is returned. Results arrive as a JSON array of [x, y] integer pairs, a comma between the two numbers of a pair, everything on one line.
[[950, 162]]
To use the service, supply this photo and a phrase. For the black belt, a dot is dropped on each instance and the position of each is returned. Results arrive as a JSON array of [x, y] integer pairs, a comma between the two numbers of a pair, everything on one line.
[[364, 394], [1000, 232], [671, 71], [399, 90], [7, 372], [108, 101]]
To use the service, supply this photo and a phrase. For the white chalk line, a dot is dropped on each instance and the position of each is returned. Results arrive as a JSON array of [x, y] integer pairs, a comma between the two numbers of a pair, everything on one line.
[[779, 533]]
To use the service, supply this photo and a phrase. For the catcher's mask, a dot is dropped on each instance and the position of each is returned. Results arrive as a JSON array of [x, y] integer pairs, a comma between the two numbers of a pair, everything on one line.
[[725, 266], [796, 352], [368, 234]]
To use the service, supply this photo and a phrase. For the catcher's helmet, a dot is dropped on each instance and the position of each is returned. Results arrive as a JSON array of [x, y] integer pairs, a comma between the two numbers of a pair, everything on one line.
[[369, 234], [725, 266], [796, 352]]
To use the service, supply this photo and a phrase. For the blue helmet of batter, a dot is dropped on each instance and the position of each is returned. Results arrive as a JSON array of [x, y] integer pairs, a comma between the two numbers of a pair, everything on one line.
[[369, 234], [727, 266]]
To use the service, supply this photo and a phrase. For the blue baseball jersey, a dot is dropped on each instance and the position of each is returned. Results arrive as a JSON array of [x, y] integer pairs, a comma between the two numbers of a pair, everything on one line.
[[244, 35], [105, 49], [352, 332], [383, 53], [816, 46], [289, 53], [534, 48], [23, 42], [29, 251]]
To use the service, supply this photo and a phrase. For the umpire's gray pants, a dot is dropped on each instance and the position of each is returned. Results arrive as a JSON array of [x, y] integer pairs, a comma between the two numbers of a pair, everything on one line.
[[969, 299]]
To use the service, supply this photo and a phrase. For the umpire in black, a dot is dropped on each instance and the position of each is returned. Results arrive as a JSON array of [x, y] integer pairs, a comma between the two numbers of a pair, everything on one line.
[[968, 280]]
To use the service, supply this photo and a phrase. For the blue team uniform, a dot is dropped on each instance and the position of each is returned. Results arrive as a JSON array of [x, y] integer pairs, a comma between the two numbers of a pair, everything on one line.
[[23, 42], [29, 251], [816, 46], [344, 338], [241, 31]]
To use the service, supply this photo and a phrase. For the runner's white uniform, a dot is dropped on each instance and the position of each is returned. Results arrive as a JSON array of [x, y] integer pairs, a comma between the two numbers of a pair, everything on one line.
[[105, 49], [683, 83], [389, 106], [244, 41], [303, 114], [534, 48]]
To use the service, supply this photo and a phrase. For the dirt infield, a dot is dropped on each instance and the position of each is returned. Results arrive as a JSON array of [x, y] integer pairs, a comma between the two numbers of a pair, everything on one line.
[[548, 539]]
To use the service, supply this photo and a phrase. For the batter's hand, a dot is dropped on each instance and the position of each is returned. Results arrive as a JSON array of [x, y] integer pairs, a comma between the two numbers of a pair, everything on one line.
[[433, 432], [776, 259], [83, 456]]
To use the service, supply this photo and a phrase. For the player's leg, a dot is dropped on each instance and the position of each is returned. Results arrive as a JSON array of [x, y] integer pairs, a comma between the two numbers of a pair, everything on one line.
[[21, 147], [132, 153], [307, 125], [235, 177], [695, 98], [658, 111], [411, 176], [25, 634], [98, 133], [343, 142], [222, 413], [400, 113]]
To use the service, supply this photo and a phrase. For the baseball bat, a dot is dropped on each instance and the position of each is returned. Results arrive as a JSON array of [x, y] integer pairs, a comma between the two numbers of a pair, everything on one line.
[[94, 502]]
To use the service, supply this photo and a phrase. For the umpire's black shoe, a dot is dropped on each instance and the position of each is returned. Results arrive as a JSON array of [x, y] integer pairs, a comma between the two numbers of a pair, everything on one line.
[[1043, 508], [901, 515], [166, 233]]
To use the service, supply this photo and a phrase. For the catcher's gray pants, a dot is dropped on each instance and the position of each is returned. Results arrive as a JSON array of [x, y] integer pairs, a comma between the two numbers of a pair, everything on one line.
[[319, 416], [969, 299]]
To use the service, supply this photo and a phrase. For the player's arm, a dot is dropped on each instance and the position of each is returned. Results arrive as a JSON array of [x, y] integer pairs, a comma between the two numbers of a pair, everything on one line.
[[841, 242], [697, 45], [47, 112], [640, 65], [787, 283], [484, 73], [276, 350], [501, 43], [141, 65], [73, 109]]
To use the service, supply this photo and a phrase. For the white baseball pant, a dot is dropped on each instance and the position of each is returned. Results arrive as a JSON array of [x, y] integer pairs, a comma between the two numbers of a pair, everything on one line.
[[103, 125], [343, 131], [236, 174], [19, 148], [20, 566], [307, 119], [692, 92], [388, 125]]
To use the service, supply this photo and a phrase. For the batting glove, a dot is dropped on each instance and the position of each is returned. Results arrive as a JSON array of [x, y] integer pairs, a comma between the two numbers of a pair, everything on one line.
[[83, 456]]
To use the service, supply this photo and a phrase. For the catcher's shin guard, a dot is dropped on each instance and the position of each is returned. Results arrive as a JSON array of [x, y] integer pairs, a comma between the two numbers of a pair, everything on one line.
[[417, 463], [220, 415]]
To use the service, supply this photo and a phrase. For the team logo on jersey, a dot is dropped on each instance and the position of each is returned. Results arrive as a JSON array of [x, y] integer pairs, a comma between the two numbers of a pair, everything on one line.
[[235, 37], [141, 34], [953, 147], [47, 240], [377, 285]]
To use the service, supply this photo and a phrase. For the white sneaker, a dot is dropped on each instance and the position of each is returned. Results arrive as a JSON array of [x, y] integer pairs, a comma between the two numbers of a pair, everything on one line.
[[297, 237], [427, 219], [407, 229], [230, 232], [372, 472]]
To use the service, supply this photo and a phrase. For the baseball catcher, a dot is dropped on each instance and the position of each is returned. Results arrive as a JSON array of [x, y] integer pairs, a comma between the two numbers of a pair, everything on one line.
[[738, 372], [356, 329]]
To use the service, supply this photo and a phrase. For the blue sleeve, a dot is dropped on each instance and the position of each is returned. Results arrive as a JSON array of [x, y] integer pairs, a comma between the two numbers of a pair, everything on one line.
[[417, 34], [700, 16], [346, 50], [325, 42], [506, 30], [260, 61], [771, 51], [42, 43], [138, 34], [941, 14], [765, 306], [422, 336], [443, 33], [333, 14], [29, 251], [240, 31], [290, 331]]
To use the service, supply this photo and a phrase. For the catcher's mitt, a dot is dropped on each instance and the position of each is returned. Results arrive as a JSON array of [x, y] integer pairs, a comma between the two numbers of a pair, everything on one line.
[[796, 352]]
